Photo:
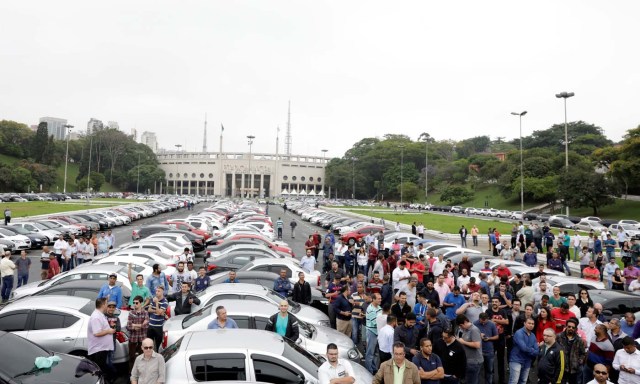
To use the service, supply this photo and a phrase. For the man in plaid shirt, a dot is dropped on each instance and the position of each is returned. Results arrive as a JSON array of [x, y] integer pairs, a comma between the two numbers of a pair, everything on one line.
[[137, 325]]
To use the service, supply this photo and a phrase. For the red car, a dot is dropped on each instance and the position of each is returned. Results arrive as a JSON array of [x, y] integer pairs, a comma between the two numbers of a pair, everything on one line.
[[258, 238], [188, 227], [357, 235]]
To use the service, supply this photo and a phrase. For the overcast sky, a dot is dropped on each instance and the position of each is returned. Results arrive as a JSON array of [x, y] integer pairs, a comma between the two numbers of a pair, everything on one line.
[[352, 69]]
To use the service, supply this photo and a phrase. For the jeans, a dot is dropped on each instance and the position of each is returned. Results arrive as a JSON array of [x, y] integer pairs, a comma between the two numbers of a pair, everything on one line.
[[356, 330], [566, 267], [475, 240], [472, 373], [370, 353], [7, 286], [576, 252], [23, 278], [488, 368], [463, 242], [518, 373]]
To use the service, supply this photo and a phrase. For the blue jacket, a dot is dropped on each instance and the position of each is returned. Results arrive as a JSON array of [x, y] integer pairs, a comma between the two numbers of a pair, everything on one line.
[[525, 348], [282, 286], [112, 294]]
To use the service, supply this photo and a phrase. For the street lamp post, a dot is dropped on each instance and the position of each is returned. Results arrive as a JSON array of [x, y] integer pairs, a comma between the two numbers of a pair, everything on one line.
[[175, 182], [89, 170], [68, 128], [565, 96], [353, 178], [250, 141], [324, 164], [426, 166], [401, 177], [138, 183], [521, 168]]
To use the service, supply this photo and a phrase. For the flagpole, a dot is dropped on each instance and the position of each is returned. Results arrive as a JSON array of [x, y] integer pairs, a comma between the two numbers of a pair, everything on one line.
[[220, 176]]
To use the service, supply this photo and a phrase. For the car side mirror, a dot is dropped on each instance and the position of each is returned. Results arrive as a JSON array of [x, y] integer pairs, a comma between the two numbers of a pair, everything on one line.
[[607, 313], [299, 341]]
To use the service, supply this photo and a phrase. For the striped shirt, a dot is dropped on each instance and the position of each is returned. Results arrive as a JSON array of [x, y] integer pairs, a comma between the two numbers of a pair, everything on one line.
[[156, 320]]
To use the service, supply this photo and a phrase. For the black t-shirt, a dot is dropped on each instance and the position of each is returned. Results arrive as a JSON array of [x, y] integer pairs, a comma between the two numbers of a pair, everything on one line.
[[500, 314]]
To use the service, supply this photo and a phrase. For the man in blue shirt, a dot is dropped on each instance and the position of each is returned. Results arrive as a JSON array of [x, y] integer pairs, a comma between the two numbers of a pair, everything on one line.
[[343, 308], [452, 302], [610, 247], [222, 321], [201, 282], [233, 279], [157, 312], [282, 285], [489, 334], [157, 279], [111, 291], [429, 365], [524, 352]]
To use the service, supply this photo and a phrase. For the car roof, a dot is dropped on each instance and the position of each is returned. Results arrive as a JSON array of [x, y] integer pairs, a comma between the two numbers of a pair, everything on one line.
[[247, 275], [248, 307], [50, 301], [80, 284], [226, 339], [610, 294], [279, 261], [84, 268]]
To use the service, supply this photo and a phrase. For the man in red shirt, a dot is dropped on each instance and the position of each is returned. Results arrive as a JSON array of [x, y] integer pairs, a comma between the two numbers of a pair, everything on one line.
[[561, 315], [375, 284], [372, 257], [418, 268], [54, 267], [591, 272], [504, 271]]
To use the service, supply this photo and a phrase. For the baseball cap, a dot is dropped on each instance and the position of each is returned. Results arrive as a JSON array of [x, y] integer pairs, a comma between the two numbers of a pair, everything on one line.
[[113, 275], [110, 303]]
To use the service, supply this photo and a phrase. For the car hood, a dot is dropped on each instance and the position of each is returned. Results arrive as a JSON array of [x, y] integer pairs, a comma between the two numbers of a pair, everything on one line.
[[70, 369], [311, 315], [326, 335], [29, 289]]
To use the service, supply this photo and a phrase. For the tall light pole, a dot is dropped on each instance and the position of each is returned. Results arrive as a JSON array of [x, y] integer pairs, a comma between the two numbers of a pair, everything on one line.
[[138, 183], [565, 96], [250, 186], [175, 182], [324, 164], [353, 178], [426, 165], [68, 129], [521, 169], [401, 176], [89, 170]]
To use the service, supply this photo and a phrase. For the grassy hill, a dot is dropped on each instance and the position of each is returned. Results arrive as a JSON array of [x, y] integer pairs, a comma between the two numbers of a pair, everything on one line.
[[490, 194], [72, 173]]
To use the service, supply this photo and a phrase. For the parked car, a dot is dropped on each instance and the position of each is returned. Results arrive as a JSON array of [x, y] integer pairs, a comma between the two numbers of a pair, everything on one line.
[[570, 284], [560, 222], [37, 240], [234, 258], [291, 267], [630, 231], [517, 215], [81, 288], [630, 222], [255, 315], [18, 357], [243, 354], [241, 291], [147, 230], [615, 303], [21, 241], [587, 225], [58, 323], [34, 227]]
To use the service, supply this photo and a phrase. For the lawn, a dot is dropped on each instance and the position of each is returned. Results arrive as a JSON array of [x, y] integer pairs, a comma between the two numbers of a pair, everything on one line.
[[34, 208], [442, 223], [489, 194], [621, 209]]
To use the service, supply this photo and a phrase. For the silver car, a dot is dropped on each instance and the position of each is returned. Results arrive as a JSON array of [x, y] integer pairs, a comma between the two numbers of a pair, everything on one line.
[[82, 272], [58, 323], [255, 315], [253, 292], [243, 354]]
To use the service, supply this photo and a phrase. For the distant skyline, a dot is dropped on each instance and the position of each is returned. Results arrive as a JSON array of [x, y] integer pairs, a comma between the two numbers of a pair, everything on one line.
[[350, 69]]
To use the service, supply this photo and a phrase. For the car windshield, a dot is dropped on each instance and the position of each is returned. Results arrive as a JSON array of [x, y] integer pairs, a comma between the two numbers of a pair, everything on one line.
[[88, 308], [19, 230], [305, 329], [6, 232], [20, 356], [171, 350], [627, 227], [40, 226], [295, 307], [197, 316], [304, 359]]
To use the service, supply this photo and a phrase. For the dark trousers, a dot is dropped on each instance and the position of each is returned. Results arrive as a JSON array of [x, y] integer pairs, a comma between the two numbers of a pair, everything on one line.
[[384, 356], [500, 349], [449, 380], [100, 358], [135, 348], [332, 316], [7, 220], [155, 334], [7, 286]]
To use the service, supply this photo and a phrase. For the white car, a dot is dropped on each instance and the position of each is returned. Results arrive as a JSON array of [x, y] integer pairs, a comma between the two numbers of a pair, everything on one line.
[[166, 247], [177, 238], [402, 238], [139, 265], [630, 222], [155, 256], [570, 284], [22, 242], [62, 226], [517, 215], [292, 268], [50, 234], [628, 229], [458, 251], [503, 213], [586, 225], [255, 315]]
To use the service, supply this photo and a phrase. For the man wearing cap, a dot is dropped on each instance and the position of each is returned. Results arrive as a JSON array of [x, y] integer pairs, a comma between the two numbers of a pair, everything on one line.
[[111, 291], [114, 322]]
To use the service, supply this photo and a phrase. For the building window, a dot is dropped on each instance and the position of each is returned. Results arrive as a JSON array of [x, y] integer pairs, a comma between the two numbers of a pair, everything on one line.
[[302, 178], [202, 175], [193, 175], [186, 175], [319, 179], [211, 175], [171, 175], [285, 177], [311, 178], [294, 178]]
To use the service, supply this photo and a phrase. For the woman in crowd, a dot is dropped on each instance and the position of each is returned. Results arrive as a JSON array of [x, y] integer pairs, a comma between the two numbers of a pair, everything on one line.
[[584, 302]]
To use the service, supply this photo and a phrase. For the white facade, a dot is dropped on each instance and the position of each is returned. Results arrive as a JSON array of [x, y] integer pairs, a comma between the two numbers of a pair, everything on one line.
[[55, 127], [113, 125], [150, 140], [241, 175]]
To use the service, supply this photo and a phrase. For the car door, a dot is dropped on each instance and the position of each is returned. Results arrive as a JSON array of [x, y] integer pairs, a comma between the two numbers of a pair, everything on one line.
[[260, 322], [15, 322], [57, 331], [269, 369], [212, 367]]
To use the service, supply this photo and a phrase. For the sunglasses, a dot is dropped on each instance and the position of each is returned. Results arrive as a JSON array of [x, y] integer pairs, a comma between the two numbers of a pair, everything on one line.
[[136, 302], [601, 372], [147, 348]]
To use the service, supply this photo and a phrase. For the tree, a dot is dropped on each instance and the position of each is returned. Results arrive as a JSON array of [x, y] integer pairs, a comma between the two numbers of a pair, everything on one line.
[[39, 146], [586, 189], [456, 195], [409, 191], [96, 182]]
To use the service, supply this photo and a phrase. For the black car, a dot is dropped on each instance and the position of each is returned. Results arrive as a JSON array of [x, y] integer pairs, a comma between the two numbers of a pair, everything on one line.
[[7, 245], [104, 225], [197, 241], [561, 223], [18, 356], [147, 230], [37, 240], [530, 216], [615, 303]]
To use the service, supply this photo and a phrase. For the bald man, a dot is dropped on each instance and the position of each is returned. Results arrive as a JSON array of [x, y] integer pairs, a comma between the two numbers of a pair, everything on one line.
[[551, 359], [600, 375], [149, 366]]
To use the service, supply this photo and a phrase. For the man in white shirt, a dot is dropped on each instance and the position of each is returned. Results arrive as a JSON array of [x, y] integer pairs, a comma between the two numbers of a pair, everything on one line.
[[438, 266], [308, 261], [573, 308], [420, 231], [627, 361], [400, 276], [588, 324], [634, 286], [60, 248], [335, 370], [600, 374], [385, 338], [464, 278]]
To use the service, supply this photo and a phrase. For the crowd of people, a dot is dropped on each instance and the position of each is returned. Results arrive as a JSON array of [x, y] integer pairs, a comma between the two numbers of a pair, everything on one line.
[[454, 328]]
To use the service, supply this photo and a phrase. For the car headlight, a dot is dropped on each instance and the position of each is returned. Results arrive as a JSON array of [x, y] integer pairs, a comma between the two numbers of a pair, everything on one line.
[[353, 354], [324, 323]]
